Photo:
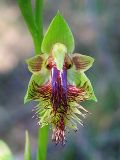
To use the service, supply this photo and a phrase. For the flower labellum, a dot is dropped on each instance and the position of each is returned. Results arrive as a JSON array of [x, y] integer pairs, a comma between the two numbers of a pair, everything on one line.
[[59, 84]]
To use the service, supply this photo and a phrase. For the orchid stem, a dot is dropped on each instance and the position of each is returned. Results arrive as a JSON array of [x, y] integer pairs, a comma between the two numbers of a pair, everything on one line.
[[34, 22], [42, 132], [42, 143]]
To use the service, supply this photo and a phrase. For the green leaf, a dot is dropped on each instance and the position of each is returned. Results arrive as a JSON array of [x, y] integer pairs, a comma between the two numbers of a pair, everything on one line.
[[79, 79], [27, 152], [42, 143], [39, 16], [5, 153], [26, 9], [39, 79], [58, 32], [82, 62], [34, 25]]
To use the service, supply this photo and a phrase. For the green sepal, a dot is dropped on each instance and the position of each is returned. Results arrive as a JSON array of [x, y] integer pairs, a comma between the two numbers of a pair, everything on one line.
[[5, 153], [58, 32], [79, 79], [40, 79], [82, 62], [27, 152], [88, 87]]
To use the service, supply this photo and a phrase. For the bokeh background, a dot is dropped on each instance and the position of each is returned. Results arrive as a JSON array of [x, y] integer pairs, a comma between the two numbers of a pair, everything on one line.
[[96, 28]]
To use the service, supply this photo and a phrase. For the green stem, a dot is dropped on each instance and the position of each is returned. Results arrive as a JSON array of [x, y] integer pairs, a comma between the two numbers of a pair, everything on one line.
[[43, 132], [37, 43], [34, 21], [42, 143]]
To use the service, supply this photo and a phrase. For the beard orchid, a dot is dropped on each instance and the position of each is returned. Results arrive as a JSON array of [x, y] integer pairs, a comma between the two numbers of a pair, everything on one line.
[[58, 81]]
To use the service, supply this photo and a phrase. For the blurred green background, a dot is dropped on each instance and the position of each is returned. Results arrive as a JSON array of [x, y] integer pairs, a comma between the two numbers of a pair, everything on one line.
[[96, 28]]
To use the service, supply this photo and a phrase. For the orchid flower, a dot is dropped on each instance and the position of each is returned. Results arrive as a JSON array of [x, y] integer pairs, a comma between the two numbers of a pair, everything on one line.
[[58, 81]]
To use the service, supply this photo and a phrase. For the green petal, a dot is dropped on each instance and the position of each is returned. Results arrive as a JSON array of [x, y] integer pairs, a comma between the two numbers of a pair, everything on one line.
[[5, 153], [40, 79], [58, 32], [35, 63], [79, 79], [82, 62]]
